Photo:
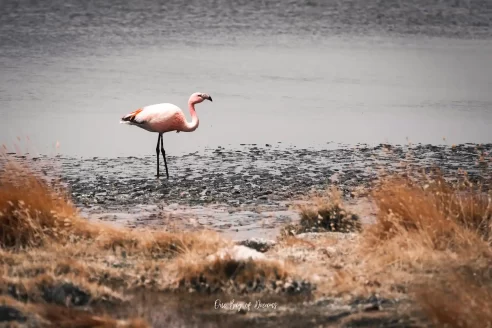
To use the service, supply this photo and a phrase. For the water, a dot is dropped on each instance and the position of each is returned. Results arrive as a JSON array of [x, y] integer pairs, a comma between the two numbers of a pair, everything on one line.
[[297, 72]]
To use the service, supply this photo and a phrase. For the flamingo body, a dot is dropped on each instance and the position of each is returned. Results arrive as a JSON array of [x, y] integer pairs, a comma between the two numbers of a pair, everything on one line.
[[160, 118], [165, 117]]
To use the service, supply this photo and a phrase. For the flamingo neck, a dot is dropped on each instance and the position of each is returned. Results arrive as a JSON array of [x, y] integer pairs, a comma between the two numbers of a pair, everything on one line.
[[191, 126]]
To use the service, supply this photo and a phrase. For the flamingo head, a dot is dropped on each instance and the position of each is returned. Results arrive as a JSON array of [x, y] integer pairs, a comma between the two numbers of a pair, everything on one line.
[[198, 97]]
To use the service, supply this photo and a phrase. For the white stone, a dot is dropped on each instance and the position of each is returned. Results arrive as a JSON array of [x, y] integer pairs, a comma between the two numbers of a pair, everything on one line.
[[238, 253]]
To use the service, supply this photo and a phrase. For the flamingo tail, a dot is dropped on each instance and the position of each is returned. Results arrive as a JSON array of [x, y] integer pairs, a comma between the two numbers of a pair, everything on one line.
[[130, 118]]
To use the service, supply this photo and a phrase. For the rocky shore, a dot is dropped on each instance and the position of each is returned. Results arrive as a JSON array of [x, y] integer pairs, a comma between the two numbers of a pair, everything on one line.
[[243, 192], [252, 175]]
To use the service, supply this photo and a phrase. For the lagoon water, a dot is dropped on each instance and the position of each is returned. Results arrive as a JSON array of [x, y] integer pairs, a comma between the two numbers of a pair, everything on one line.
[[294, 72]]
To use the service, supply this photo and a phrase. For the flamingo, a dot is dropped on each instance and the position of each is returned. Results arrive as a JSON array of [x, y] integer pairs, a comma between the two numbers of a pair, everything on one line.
[[165, 117]]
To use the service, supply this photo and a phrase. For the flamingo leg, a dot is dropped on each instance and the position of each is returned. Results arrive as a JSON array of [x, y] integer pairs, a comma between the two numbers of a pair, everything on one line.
[[157, 151], [164, 155]]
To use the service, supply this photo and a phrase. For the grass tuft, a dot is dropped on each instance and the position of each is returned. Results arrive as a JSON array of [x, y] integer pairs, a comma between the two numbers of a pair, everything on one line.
[[433, 238], [325, 213], [431, 216], [31, 211], [226, 274]]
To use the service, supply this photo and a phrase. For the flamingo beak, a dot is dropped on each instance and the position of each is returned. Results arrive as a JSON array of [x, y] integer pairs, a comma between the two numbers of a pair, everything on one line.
[[210, 98]]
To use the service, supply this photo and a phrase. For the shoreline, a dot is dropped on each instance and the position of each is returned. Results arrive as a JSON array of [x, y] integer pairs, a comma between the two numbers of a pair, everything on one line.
[[245, 192]]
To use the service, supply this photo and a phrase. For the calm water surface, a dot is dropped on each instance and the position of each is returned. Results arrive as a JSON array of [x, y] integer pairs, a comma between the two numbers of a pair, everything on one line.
[[295, 72]]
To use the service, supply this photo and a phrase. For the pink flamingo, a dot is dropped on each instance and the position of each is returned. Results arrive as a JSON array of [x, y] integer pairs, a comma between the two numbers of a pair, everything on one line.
[[165, 117]]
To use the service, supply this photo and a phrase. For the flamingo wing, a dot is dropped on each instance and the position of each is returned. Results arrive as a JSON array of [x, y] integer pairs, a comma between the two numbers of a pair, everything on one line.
[[132, 116], [158, 118]]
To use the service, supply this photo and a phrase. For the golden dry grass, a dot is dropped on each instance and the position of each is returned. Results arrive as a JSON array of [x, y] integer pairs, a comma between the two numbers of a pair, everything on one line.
[[425, 232], [417, 222], [229, 274], [30, 211], [324, 212], [457, 300], [54, 262], [430, 242], [33, 213]]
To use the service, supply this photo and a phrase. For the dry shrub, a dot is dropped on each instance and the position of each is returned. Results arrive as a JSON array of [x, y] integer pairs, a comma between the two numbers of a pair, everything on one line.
[[458, 300], [57, 261], [216, 275], [157, 244], [435, 217], [63, 290], [198, 242], [33, 214], [53, 263], [324, 213], [31, 211], [438, 232], [466, 204]]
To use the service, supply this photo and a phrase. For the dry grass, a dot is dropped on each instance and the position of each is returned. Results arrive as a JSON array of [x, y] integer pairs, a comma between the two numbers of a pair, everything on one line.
[[458, 300], [417, 222], [425, 232], [230, 275], [30, 211], [33, 214], [324, 213], [54, 264], [431, 243], [431, 240]]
